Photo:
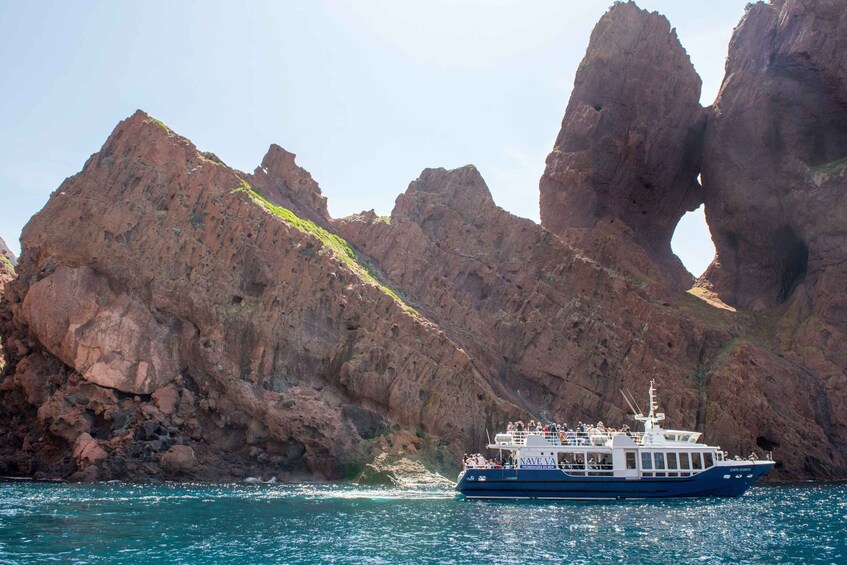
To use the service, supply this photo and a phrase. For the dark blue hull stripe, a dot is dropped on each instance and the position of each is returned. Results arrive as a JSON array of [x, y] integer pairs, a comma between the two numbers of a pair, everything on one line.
[[497, 483]]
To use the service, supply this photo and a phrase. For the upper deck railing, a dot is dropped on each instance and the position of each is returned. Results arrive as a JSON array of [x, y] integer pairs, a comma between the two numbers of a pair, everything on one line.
[[569, 438]]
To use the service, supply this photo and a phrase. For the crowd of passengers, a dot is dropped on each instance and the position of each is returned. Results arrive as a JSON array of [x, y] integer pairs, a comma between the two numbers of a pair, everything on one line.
[[478, 461], [581, 434]]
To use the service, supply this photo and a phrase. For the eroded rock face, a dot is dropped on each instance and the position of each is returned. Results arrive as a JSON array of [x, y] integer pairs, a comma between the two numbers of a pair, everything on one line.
[[775, 169], [280, 179], [111, 339], [7, 273], [630, 144], [5, 251], [560, 330], [775, 180], [163, 306]]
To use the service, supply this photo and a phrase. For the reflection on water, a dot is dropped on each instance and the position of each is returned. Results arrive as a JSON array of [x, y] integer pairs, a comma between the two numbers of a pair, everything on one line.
[[318, 523]]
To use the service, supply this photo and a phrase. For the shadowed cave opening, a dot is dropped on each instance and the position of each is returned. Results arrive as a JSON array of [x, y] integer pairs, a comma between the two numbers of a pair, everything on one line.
[[766, 443], [795, 261]]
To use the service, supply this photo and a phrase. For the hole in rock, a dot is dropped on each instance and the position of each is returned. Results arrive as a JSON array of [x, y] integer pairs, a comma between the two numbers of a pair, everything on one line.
[[237, 299], [795, 260], [692, 242], [766, 443]]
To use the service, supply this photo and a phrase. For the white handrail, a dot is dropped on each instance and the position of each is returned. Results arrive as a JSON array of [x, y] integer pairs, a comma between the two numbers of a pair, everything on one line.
[[568, 438]]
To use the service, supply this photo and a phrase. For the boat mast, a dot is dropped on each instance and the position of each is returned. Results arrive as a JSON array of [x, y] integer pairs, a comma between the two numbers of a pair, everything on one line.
[[652, 419]]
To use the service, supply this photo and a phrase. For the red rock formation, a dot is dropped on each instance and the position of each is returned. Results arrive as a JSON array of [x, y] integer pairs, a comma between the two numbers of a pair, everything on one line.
[[774, 169], [286, 184], [167, 304], [630, 143], [7, 273], [561, 332], [6, 252], [775, 180]]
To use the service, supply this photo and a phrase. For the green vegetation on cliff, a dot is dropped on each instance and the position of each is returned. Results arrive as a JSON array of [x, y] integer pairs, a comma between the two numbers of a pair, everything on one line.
[[6, 264], [337, 245], [153, 120], [832, 167]]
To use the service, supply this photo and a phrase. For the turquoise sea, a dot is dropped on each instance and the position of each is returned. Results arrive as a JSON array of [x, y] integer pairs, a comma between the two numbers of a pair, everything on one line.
[[318, 523]]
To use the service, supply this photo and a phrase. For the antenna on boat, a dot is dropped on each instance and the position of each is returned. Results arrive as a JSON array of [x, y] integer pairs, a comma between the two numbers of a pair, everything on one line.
[[630, 401], [632, 396], [653, 417]]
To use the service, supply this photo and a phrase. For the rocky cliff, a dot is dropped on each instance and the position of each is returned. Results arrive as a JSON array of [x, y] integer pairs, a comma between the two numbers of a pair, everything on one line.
[[631, 141], [7, 253], [776, 155], [7, 273], [563, 331], [775, 186], [172, 314], [175, 318]]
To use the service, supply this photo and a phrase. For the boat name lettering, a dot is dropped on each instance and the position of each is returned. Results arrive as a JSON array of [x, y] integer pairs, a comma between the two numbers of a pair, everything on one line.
[[538, 462], [740, 469]]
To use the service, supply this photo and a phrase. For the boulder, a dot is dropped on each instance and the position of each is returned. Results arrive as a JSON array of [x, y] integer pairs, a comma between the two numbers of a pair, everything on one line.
[[87, 451], [178, 459]]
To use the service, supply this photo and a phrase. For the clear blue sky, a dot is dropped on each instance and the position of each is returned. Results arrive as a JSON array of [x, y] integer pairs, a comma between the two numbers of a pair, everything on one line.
[[366, 93]]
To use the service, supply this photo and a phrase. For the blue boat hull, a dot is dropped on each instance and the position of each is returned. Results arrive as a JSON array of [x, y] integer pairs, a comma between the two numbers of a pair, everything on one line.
[[556, 484]]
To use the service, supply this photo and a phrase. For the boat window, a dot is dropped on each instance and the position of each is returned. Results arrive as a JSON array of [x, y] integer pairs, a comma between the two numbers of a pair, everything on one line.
[[646, 460], [672, 461], [696, 461], [659, 463], [600, 462], [630, 460], [707, 457], [684, 461]]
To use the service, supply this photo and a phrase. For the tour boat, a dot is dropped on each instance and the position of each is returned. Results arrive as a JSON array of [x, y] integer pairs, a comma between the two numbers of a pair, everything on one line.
[[601, 464]]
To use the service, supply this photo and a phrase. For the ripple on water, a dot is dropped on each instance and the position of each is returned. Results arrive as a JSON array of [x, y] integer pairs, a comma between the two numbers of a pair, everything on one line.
[[317, 523]]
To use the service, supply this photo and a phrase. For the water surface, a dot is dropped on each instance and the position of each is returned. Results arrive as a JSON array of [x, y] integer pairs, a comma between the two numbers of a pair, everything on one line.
[[347, 524]]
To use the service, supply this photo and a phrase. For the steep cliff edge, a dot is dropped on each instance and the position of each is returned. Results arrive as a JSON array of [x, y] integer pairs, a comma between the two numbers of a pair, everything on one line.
[[775, 168], [564, 331], [168, 320], [7, 253], [7, 273], [775, 184], [631, 139]]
